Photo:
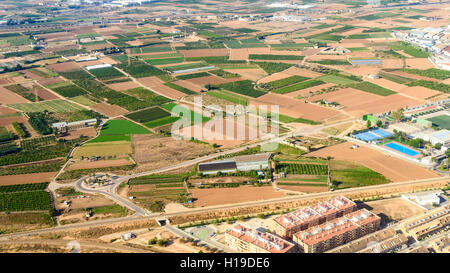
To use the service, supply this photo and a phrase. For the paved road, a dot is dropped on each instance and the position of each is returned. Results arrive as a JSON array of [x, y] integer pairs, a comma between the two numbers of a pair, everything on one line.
[[110, 192], [221, 207], [64, 243]]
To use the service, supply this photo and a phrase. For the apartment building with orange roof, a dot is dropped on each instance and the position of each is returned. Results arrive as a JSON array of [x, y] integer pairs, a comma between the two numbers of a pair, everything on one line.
[[288, 224], [337, 232], [245, 239]]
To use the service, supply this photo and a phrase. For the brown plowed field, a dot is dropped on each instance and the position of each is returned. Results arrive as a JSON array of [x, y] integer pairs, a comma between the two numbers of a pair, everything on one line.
[[251, 74], [157, 85], [121, 86], [51, 81], [109, 110], [212, 197], [419, 63], [9, 97], [189, 85], [306, 189], [90, 132], [62, 67], [295, 108], [419, 92], [358, 102], [45, 94], [388, 84], [99, 164], [26, 178], [392, 168]]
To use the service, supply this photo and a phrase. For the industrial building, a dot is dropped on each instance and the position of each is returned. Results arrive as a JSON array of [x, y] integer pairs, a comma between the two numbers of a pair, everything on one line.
[[68, 126], [245, 239], [337, 232], [426, 199], [427, 223], [239, 163], [288, 224]]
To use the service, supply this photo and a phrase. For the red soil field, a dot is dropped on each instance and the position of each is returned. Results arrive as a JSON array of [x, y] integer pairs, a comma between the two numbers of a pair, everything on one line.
[[419, 92], [121, 86], [51, 81], [26, 178], [62, 67], [109, 110], [9, 97], [211, 197], [157, 85], [99, 164], [295, 108]]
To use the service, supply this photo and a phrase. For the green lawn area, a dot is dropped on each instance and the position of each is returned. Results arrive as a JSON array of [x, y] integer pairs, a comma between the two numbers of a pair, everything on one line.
[[442, 121], [122, 127], [147, 115]]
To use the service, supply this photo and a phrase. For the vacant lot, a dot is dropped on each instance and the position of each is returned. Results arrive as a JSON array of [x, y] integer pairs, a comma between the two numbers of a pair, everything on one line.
[[397, 208], [153, 152], [104, 149], [99, 164], [220, 196]]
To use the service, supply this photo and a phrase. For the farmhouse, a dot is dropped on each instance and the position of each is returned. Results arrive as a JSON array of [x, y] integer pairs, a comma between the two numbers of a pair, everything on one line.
[[239, 163], [68, 126]]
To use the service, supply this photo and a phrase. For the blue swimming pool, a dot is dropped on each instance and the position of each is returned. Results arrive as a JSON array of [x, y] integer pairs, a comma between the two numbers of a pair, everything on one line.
[[402, 149]]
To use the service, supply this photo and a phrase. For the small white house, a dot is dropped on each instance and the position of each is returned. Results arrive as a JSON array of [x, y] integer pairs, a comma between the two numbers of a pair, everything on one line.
[[128, 236]]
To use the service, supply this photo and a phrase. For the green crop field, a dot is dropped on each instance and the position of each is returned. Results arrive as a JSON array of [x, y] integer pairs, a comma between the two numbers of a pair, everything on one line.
[[139, 69], [245, 87], [83, 100], [180, 88], [69, 91], [442, 121], [25, 201], [161, 121], [372, 88], [336, 79], [271, 68], [347, 175], [106, 73], [228, 96], [182, 111], [395, 78], [147, 96], [274, 57], [147, 115], [298, 86], [51, 106], [290, 168], [286, 82], [122, 127], [193, 76], [165, 61], [431, 72]]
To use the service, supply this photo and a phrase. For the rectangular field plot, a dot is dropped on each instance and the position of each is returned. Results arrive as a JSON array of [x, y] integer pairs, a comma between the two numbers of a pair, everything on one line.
[[139, 69], [194, 116], [148, 115], [286, 81], [106, 73], [25, 201], [337, 79], [161, 122], [245, 87], [290, 168], [147, 96], [51, 106], [83, 100], [442, 121], [104, 149], [69, 91], [228, 96], [298, 86], [122, 127], [373, 88]]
